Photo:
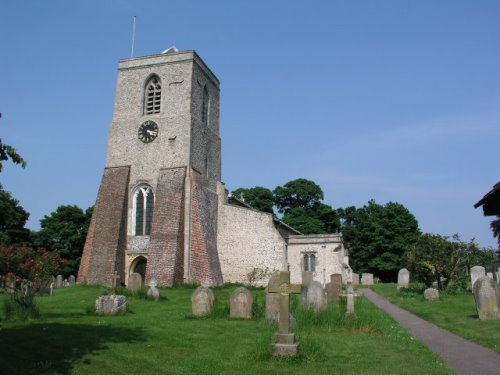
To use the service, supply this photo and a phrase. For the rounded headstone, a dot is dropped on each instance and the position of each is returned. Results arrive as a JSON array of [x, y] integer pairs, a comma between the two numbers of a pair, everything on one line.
[[202, 301], [240, 303], [314, 296], [476, 272], [367, 279], [403, 278], [431, 294], [134, 282], [486, 295]]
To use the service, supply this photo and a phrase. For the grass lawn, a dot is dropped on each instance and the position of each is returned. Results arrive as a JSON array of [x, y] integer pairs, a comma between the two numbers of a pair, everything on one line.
[[453, 312], [162, 338]]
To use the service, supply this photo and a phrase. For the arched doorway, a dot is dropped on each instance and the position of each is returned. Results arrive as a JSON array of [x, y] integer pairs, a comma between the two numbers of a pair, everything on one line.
[[139, 266]]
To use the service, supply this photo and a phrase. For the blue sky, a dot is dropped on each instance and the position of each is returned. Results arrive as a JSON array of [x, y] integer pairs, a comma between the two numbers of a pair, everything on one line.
[[385, 100]]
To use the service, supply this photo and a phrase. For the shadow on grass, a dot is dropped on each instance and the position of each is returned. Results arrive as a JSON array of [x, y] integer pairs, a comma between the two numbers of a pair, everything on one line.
[[53, 348]]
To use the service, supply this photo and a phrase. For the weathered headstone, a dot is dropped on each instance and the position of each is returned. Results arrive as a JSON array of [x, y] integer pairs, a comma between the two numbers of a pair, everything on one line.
[[273, 299], [489, 274], [403, 278], [59, 281], [240, 303], [307, 277], [367, 279], [431, 294], [355, 279], [134, 282], [350, 300], [202, 301], [487, 297], [153, 291], [334, 288], [72, 280], [112, 304], [114, 281], [476, 272], [314, 296], [284, 342]]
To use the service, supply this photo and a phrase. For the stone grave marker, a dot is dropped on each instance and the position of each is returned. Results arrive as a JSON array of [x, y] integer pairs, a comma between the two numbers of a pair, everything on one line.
[[273, 299], [489, 274], [240, 303], [355, 279], [314, 296], [476, 272], [134, 282], [59, 281], [202, 301], [431, 294], [350, 300], [284, 341], [114, 281], [109, 305], [367, 279], [403, 278], [486, 295], [153, 291], [307, 277], [334, 288], [72, 280]]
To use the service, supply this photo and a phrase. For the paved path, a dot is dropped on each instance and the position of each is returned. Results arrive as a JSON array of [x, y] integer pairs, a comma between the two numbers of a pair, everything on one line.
[[464, 357]]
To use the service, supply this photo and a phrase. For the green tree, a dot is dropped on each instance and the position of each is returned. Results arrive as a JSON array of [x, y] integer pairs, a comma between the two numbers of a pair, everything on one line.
[[65, 231], [13, 218], [436, 258], [377, 236], [7, 152], [297, 193], [258, 197]]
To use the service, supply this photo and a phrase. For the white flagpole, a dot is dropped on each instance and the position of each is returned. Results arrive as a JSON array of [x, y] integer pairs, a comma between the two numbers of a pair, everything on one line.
[[133, 38]]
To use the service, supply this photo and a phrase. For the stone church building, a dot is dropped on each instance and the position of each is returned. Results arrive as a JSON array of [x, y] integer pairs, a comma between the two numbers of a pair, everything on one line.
[[162, 210]]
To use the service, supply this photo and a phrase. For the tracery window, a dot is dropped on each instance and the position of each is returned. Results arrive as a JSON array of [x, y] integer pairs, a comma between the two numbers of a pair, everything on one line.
[[205, 105], [143, 210], [152, 96], [310, 262]]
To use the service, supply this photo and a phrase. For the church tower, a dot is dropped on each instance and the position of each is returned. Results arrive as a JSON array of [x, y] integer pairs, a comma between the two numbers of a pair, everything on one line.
[[156, 209]]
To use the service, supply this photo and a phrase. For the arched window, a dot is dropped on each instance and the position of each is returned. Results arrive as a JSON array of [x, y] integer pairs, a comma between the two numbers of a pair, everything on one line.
[[306, 262], [205, 105], [143, 210], [152, 96], [310, 262]]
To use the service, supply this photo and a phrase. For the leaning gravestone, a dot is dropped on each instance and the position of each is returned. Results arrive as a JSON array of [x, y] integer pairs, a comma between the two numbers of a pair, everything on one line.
[[273, 299], [202, 301], [240, 303], [431, 294], [71, 280], [109, 305], [59, 281], [355, 279], [486, 295], [403, 278], [134, 282], [476, 272], [333, 288], [307, 277], [153, 291], [367, 279], [314, 296]]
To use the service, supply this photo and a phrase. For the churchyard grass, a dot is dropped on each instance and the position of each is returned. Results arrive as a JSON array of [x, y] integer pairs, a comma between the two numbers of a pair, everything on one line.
[[455, 312], [164, 338]]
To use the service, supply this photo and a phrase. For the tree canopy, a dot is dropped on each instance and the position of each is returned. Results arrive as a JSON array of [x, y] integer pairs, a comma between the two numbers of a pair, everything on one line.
[[258, 197], [299, 193], [7, 152], [13, 218]]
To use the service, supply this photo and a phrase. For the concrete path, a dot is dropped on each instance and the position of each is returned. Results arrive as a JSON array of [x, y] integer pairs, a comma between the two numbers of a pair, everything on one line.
[[464, 357]]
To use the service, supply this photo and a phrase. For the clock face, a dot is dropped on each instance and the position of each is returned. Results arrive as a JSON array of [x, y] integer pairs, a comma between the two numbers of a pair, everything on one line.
[[148, 131]]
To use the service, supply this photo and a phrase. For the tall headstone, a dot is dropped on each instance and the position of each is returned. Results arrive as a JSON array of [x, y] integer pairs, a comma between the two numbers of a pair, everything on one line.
[[59, 281], [476, 272], [403, 278], [240, 303], [134, 282], [334, 288], [273, 299], [367, 279], [314, 296], [487, 297], [307, 277], [71, 280], [350, 300], [202, 301], [355, 279]]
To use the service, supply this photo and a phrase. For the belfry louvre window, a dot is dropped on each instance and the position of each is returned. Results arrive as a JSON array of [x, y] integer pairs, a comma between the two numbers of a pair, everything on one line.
[[152, 96], [143, 209]]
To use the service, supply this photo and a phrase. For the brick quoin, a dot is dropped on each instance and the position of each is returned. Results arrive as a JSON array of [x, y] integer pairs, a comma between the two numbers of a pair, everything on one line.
[[104, 250]]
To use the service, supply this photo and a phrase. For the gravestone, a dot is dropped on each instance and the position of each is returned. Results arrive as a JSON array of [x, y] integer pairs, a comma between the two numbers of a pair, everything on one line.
[[273, 299], [403, 278], [72, 280], [284, 342], [350, 300], [431, 294], [59, 281], [202, 301], [486, 295], [367, 279], [355, 279], [240, 303], [489, 274], [314, 296], [334, 288], [153, 291], [109, 305], [476, 272], [114, 281], [307, 277], [134, 282]]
